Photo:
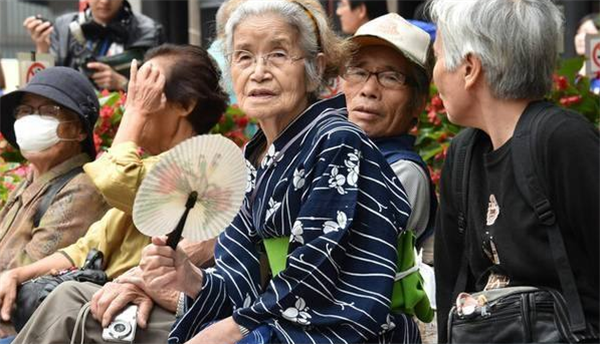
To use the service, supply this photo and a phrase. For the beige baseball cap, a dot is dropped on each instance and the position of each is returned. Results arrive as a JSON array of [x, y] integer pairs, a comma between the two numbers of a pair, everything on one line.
[[395, 31]]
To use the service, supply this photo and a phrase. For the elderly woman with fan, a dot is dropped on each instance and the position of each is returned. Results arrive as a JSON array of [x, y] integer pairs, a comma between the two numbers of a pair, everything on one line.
[[321, 200], [174, 96]]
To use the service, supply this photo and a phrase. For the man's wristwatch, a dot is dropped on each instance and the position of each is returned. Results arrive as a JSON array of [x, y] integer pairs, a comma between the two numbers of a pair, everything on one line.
[[180, 306], [243, 330]]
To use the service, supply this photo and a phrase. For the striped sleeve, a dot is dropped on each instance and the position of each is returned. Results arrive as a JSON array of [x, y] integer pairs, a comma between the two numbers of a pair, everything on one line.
[[214, 302]]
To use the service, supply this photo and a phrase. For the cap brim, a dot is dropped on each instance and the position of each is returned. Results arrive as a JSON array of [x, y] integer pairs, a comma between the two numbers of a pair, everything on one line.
[[9, 101], [372, 40]]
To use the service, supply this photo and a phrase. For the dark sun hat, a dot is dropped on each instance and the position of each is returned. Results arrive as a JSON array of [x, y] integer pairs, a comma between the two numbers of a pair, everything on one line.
[[66, 87]]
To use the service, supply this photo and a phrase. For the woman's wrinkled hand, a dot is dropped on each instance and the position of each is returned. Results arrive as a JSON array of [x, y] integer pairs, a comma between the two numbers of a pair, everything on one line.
[[145, 94], [145, 98], [163, 267], [112, 299], [9, 281]]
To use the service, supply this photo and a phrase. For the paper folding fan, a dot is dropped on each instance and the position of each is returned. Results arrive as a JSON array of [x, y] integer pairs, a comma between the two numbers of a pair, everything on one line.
[[202, 179]]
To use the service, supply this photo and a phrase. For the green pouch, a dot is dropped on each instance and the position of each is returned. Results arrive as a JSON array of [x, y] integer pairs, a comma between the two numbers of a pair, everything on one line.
[[408, 295]]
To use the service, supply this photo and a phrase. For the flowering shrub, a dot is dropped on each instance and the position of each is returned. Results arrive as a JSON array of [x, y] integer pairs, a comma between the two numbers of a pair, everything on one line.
[[236, 126], [434, 132], [572, 91], [112, 106], [11, 174]]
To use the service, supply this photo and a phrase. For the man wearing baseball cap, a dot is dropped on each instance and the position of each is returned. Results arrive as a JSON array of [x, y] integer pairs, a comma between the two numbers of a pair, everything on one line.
[[51, 121], [386, 87]]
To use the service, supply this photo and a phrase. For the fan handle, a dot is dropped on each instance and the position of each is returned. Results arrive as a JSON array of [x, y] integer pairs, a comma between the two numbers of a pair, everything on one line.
[[174, 237]]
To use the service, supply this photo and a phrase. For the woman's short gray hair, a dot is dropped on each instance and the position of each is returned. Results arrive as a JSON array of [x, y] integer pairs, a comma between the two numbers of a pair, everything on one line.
[[516, 40], [303, 15]]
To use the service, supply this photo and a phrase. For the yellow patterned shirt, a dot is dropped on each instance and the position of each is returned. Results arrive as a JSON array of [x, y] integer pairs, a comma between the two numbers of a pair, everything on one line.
[[117, 174]]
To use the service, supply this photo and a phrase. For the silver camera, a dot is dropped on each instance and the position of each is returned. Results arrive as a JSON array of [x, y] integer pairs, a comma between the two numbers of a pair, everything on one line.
[[122, 328]]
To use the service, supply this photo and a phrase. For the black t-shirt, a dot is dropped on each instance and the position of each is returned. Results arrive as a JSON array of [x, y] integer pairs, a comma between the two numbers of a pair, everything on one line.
[[568, 148]]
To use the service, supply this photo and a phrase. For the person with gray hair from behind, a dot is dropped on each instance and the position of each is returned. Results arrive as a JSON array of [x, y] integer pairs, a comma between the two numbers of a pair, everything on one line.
[[495, 60]]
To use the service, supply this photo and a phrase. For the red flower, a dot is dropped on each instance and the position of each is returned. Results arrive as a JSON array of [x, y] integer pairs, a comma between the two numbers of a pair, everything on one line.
[[104, 92], [21, 171], [437, 102], [122, 98], [103, 128], [435, 175], [442, 154], [561, 82], [9, 186], [97, 142], [107, 112], [434, 118], [568, 101], [242, 121]]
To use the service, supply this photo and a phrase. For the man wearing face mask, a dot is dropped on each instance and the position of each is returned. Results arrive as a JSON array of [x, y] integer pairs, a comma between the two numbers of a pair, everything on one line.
[[106, 28], [51, 121]]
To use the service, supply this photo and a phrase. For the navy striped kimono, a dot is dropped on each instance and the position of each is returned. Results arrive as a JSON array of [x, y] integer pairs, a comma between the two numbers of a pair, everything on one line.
[[327, 187]]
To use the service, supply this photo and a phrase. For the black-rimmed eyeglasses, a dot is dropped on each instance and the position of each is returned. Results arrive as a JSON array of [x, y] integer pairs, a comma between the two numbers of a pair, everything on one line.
[[388, 79]]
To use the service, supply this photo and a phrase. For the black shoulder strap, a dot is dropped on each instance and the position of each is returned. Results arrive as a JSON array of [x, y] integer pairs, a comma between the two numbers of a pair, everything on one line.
[[56, 185], [533, 192], [460, 185]]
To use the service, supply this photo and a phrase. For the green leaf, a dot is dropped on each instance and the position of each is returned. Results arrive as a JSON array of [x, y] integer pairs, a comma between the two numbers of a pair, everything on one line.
[[429, 153], [109, 100], [570, 67]]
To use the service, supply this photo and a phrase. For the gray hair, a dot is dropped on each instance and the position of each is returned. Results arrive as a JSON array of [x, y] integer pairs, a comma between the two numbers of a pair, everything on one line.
[[295, 15], [516, 41]]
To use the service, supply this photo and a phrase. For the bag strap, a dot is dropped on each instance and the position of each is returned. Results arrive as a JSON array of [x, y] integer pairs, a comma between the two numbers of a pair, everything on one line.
[[56, 185], [531, 189], [460, 183]]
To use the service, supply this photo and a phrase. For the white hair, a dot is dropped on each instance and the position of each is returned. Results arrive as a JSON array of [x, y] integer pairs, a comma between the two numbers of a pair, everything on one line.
[[295, 15], [517, 41]]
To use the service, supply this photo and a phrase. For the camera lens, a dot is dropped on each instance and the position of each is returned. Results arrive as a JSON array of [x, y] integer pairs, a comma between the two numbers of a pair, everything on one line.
[[120, 328]]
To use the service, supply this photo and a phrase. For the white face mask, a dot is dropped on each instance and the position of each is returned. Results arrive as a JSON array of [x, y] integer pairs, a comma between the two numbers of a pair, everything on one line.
[[37, 133]]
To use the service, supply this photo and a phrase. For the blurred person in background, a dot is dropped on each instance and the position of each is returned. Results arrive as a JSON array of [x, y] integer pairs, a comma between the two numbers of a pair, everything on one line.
[[106, 28], [216, 47], [2, 81], [353, 14], [589, 25]]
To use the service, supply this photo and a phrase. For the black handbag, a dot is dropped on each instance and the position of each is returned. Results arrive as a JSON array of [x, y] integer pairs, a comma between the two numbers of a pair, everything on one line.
[[515, 315], [33, 292], [520, 314]]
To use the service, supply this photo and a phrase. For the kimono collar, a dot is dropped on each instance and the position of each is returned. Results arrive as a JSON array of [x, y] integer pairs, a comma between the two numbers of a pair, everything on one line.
[[394, 143], [297, 126]]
